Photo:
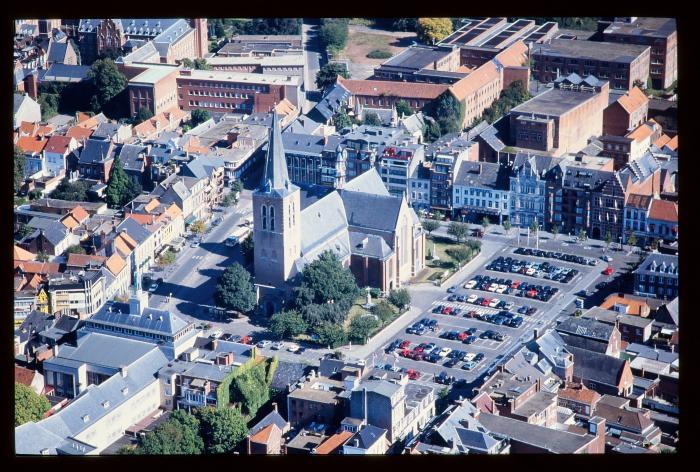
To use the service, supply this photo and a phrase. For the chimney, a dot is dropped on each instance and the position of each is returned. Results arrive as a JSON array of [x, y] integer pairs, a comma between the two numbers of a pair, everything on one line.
[[596, 426], [124, 371], [274, 406], [214, 344]]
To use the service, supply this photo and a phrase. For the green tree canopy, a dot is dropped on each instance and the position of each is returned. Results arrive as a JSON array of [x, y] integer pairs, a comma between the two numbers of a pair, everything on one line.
[[507, 226], [42, 256], [334, 33], [332, 335], [76, 249], [400, 298], [632, 239], [198, 117], [222, 429], [361, 327], [29, 406], [121, 189], [431, 131], [372, 119], [109, 82], [449, 113], [71, 191], [287, 324], [430, 225], [433, 30], [178, 435], [326, 279], [315, 314], [460, 254], [342, 120], [485, 222], [251, 389], [248, 249], [20, 163], [235, 290], [167, 258], [198, 226], [199, 64], [402, 108], [144, 114], [327, 75], [582, 234], [383, 311], [458, 230]]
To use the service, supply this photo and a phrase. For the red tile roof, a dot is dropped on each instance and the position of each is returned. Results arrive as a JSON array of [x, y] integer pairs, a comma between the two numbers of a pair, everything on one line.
[[663, 210], [28, 127], [80, 134], [483, 75], [633, 100], [79, 213], [22, 254], [331, 444], [24, 375], [58, 144], [82, 260], [514, 55], [31, 267], [31, 144], [263, 435], [376, 88], [673, 143], [115, 264], [635, 200], [581, 395], [643, 131]]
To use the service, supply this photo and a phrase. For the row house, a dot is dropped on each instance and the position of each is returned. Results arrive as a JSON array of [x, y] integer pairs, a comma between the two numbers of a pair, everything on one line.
[[384, 94], [657, 276], [418, 191], [482, 189], [626, 113], [632, 145], [82, 293], [530, 179], [314, 160], [165, 219], [363, 147], [397, 164], [188, 193], [447, 155], [56, 153], [650, 218], [96, 159]]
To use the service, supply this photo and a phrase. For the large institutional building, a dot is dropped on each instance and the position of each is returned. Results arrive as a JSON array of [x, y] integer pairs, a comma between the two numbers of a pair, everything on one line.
[[378, 236]]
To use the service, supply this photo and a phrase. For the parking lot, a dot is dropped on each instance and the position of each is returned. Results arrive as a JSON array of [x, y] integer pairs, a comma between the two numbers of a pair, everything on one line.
[[481, 318]]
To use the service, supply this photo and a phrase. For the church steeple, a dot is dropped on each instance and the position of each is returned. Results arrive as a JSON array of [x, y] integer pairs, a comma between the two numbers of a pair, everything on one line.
[[275, 175]]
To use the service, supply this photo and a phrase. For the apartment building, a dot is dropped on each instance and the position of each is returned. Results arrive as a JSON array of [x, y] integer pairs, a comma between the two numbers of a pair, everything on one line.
[[81, 292], [482, 189], [397, 164]]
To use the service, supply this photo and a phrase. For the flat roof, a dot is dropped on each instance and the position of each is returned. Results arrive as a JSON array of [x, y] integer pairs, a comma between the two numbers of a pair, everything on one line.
[[228, 76], [646, 26], [290, 59], [590, 50], [554, 102], [418, 57], [153, 75]]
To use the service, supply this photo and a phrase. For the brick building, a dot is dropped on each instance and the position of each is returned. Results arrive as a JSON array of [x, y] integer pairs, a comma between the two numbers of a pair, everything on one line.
[[632, 145], [624, 65], [317, 400], [657, 277], [434, 64], [384, 94], [626, 113], [578, 398], [658, 33], [563, 118], [262, 45]]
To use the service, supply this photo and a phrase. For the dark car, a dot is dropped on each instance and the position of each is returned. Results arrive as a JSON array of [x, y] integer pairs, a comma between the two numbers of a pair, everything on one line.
[[471, 331], [479, 357], [470, 339], [451, 362]]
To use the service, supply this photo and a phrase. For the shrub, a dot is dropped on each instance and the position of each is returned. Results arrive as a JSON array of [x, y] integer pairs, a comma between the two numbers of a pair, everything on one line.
[[379, 54]]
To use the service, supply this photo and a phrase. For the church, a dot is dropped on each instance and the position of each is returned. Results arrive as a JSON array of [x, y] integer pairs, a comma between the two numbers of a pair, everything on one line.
[[378, 236]]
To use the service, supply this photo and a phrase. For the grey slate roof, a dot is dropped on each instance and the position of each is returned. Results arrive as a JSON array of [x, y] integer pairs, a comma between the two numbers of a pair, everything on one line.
[[331, 103], [587, 327], [97, 150], [129, 156], [105, 130], [595, 366], [17, 101], [665, 265], [302, 143], [369, 245], [154, 320], [35, 322], [55, 232], [57, 51], [580, 177], [134, 229], [287, 373], [584, 343], [483, 175], [271, 418], [103, 349], [647, 352], [475, 439], [362, 209], [540, 164], [52, 432], [275, 175], [65, 73], [322, 220], [367, 436], [203, 166], [669, 312], [380, 387], [368, 182]]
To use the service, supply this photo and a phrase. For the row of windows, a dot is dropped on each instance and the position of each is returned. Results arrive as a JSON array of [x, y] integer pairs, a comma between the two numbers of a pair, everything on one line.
[[202, 93], [660, 280], [482, 203], [224, 85], [197, 103]]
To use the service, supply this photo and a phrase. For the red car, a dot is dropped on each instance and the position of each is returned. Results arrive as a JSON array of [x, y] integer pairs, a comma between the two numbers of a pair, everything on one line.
[[412, 374], [486, 302], [608, 271], [447, 310], [246, 340], [405, 353], [532, 293], [471, 314], [462, 336], [405, 344], [515, 284], [420, 347]]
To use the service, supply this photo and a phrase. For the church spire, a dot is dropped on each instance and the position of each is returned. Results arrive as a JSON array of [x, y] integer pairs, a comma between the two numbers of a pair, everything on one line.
[[275, 175]]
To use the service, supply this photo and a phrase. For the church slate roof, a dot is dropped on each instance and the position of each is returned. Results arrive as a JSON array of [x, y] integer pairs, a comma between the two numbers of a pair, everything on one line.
[[362, 210], [275, 177], [367, 182]]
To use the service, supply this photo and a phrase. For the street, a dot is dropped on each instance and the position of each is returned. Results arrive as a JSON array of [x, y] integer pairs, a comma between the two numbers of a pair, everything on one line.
[[313, 56]]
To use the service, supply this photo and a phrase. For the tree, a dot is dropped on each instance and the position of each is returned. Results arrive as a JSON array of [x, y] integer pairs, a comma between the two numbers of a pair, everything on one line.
[[333, 33], [117, 191], [439, 216], [20, 163], [29, 406], [326, 279], [361, 327], [372, 119], [236, 186], [76, 249], [42, 256], [251, 389], [430, 226], [632, 239], [555, 231], [199, 64], [287, 324], [449, 113], [327, 75], [235, 290], [400, 298], [582, 235], [315, 314], [178, 435], [458, 230], [198, 117], [608, 239], [383, 311], [222, 429], [23, 231], [431, 130], [331, 335], [133, 189], [460, 254], [485, 222], [402, 108], [167, 258], [198, 227], [534, 226], [75, 191], [144, 114], [507, 226], [108, 81], [433, 30], [229, 200], [342, 120], [248, 249]]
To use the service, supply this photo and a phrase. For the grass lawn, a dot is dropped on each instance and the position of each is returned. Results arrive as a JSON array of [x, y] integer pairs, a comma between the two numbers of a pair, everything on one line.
[[356, 310], [361, 43], [436, 268]]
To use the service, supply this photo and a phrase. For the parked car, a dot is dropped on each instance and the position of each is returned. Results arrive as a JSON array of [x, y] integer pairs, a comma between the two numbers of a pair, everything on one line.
[[293, 348], [195, 243], [472, 299], [469, 365], [470, 284], [451, 362], [413, 374], [607, 258], [264, 343], [405, 344], [470, 339], [452, 289], [153, 288], [277, 345], [608, 271], [444, 351]]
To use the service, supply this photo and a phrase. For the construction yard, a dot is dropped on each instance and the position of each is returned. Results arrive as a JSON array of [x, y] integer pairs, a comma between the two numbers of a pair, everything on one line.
[[362, 40]]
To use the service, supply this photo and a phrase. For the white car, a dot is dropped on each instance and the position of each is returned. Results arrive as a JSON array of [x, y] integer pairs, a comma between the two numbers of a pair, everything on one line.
[[472, 298], [293, 348], [469, 357], [153, 288], [509, 306], [264, 343], [530, 271], [494, 302], [501, 288], [470, 284], [607, 258], [444, 351], [493, 287], [277, 345]]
